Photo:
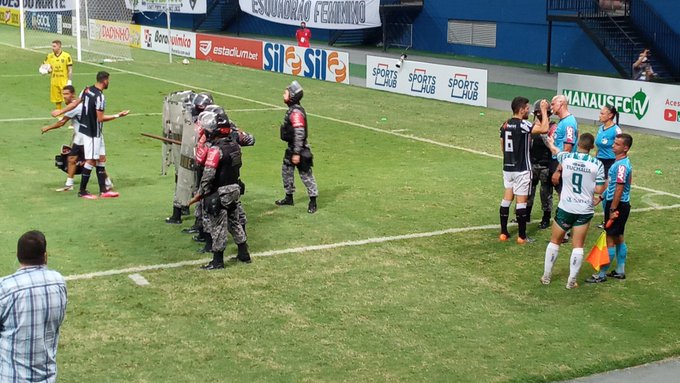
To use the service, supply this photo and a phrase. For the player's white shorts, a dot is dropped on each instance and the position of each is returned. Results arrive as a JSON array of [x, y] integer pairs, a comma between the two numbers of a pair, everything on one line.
[[520, 182], [78, 138], [102, 147], [92, 147]]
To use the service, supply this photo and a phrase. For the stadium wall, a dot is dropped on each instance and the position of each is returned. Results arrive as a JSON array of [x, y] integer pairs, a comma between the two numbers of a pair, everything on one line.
[[521, 34]]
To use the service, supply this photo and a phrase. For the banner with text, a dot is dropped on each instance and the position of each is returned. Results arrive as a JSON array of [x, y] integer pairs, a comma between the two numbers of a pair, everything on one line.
[[641, 104], [229, 50], [157, 39], [320, 64], [40, 5], [322, 14], [175, 6], [439, 82], [119, 33], [10, 16]]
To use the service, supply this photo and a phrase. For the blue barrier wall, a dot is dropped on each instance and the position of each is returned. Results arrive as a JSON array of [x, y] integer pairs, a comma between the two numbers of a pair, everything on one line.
[[521, 33]]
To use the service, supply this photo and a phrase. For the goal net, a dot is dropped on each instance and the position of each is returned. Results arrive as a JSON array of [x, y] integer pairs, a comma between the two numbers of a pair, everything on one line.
[[90, 30]]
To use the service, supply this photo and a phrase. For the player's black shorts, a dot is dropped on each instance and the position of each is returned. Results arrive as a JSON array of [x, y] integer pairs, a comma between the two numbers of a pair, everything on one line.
[[77, 150], [607, 162], [619, 225]]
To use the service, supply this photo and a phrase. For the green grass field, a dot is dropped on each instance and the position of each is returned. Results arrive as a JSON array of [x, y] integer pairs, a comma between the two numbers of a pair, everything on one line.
[[450, 305]]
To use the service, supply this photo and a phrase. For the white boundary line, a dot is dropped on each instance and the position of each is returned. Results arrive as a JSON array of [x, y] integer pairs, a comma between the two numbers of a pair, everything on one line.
[[130, 115], [340, 244], [302, 249], [409, 137]]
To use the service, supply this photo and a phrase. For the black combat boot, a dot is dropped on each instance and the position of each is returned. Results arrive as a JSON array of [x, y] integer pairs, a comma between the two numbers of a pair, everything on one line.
[[216, 263], [208, 245], [185, 210], [545, 221], [195, 228], [243, 255], [311, 209], [288, 200], [176, 217], [200, 236]]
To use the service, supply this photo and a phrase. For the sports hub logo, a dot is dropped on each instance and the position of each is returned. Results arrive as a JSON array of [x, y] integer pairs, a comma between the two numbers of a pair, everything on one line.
[[421, 82], [384, 76], [637, 104], [463, 88]]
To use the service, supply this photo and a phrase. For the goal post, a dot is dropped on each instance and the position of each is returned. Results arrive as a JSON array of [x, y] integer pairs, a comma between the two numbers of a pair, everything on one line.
[[91, 30]]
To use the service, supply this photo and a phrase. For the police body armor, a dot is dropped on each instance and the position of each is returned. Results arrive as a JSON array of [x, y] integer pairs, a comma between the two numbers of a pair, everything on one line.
[[226, 177], [287, 129]]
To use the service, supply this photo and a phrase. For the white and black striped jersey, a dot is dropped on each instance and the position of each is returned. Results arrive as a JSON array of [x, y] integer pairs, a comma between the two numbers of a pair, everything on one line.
[[516, 138], [92, 100]]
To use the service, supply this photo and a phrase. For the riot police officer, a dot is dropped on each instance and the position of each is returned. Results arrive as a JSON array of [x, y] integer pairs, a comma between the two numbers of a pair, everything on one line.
[[298, 154], [219, 192]]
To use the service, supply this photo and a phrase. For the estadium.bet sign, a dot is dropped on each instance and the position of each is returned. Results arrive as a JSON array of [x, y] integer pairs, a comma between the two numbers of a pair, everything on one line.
[[640, 104]]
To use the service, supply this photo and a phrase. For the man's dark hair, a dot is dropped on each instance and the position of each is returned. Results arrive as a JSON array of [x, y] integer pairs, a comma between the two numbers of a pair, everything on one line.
[[627, 139], [586, 141], [518, 103], [70, 88], [56, 42], [101, 76], [31, 248]]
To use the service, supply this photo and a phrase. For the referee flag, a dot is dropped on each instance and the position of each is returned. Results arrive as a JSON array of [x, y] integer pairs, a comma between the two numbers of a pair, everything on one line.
[[599, 256]]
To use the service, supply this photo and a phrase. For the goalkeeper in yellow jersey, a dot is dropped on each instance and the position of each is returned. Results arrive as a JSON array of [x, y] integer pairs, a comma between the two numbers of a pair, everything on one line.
[[61, 68]]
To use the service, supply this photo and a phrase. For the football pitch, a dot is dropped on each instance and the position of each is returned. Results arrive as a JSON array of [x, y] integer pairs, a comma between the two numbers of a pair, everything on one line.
[[398, 277]]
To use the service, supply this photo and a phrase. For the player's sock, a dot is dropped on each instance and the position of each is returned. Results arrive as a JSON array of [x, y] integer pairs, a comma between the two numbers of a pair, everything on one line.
[[522, 219], [604, 268], [101, 177], [621, 254], [575, 262], [85, 177], [69, 181], [551, 253], [108, 181], [505, 213]]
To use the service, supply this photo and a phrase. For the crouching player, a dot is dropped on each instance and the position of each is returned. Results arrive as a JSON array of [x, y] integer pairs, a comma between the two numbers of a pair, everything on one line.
[[582, 177]]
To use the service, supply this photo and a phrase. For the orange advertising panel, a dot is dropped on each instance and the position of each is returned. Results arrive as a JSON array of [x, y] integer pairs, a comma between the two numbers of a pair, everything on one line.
[[229, 50]]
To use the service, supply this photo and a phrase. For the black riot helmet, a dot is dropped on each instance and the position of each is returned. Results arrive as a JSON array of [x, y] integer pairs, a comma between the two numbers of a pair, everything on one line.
[[222, 118], [208, 121], [201, 101], [295, 93], [537, 110]]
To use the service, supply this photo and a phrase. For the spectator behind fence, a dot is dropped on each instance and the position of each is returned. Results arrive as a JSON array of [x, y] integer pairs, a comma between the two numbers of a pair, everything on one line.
[[32, 308], [642, 69], [303, 35]]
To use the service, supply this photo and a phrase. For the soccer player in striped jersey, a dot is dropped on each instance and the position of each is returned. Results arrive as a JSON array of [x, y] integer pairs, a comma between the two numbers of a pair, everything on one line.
[[582, 177], [515, 136]]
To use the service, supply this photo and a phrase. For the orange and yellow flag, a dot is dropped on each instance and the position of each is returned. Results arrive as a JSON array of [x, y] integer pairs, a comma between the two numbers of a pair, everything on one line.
[[599, 255]]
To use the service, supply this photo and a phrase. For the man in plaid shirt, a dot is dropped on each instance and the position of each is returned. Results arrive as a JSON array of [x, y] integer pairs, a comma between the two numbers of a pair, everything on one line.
[[32, 307]]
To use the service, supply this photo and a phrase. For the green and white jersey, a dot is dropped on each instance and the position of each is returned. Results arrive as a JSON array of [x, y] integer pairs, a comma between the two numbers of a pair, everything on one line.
[[581, 172]]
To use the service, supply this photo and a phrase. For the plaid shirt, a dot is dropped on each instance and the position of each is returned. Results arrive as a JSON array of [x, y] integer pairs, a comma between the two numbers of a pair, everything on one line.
[[32, 307]]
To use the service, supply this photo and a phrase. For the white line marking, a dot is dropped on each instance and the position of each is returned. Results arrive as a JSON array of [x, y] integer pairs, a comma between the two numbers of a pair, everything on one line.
[[398, 130], [40, 75], [409, 137], [139, 279], [302, 249], [647, 198], [130, 115]]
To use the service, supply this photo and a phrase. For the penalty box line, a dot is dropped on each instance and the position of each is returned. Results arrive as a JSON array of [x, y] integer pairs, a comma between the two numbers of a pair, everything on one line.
[[303, 249], [397, 134]]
